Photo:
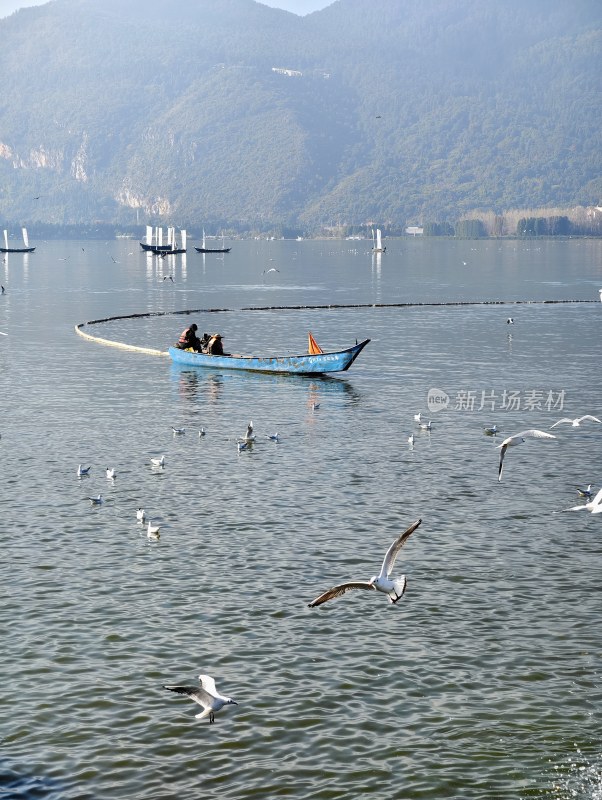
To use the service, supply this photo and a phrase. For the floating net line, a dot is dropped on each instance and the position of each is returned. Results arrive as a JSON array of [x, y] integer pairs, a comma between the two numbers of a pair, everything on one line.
[[79, 328]]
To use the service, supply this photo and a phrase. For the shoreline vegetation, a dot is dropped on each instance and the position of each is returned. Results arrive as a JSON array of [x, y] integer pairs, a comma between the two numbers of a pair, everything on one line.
[[540, 223]]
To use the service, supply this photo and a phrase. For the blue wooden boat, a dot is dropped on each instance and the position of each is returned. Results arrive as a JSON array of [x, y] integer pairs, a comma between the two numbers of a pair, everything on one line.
[[306, 364]]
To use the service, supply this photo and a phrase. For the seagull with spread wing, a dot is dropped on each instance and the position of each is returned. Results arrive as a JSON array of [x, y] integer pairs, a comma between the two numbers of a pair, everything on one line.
[[595, 505], [519, 438], [206, 695], [393, 588], [576, 422]]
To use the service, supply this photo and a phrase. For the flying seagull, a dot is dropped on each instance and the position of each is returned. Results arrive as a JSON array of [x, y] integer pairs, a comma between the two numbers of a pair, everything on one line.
[[585, 492], [595, 505], [393, 588], [519, 438], [178, 431], [140, 515], [82, 471], [249, 435], [110, 473], [158, 462], [206, 695], [575, 422]]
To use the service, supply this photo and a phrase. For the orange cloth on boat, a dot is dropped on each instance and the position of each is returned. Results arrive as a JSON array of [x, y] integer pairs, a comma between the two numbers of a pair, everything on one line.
[[313, 348]]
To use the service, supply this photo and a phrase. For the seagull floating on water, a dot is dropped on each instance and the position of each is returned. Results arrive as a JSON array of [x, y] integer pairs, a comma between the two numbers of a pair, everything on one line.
[[585, 492], [595, 505], [425, 426], [493, 431], [110, 473], [178, 431], [519, 438], [411, 440], [315, 406], [206, 695], [382, 582], [83, 471], [418, 417], [140, 515], [95, 501], [577, 421], [152, 531], [249, 435], [242, 445], [202, 432]]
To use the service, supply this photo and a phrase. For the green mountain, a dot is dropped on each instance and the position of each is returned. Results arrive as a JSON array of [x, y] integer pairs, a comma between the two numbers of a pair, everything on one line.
[[229, 112]]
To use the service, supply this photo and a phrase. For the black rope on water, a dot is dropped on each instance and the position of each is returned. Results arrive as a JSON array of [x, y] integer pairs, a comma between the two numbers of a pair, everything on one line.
[[330, 306]]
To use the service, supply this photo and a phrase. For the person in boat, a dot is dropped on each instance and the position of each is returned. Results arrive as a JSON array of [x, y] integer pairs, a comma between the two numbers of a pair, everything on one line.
[[214, 345], [189, 339]]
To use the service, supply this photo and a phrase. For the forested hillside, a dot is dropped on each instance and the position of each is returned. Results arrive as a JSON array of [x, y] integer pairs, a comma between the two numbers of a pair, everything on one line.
[[228, 112]]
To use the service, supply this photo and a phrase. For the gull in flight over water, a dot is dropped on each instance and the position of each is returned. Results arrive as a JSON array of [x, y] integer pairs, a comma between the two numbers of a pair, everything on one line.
[[418, 417], [425, 426], [110, 473], [158, 462], [595, 505], [206, 695], [249, 435], [202, 432], [411, 440], [140, 515], [585, 492], [178, 431], [393, 588], [273, 437], [242, 446], [519, 438], [575, 422], [83, 471]]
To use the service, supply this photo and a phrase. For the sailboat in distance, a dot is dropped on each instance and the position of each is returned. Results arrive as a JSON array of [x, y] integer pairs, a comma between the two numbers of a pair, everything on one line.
[[25, 249], [205, 249], [377, 242]]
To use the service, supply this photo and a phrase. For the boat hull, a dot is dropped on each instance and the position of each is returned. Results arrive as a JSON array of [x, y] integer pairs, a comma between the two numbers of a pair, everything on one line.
[[161, 247], [17, 249], [161, 251], [293, 365], [213, 249]]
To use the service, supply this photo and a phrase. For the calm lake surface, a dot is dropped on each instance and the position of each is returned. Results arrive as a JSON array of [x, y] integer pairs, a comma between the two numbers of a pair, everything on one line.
[[483, 682]]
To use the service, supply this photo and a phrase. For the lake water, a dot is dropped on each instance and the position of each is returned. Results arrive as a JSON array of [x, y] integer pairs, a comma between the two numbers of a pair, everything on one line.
[[483, 682]]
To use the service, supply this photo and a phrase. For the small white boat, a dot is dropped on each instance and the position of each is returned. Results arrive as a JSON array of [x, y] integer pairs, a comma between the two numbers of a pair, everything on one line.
[[377, 242]]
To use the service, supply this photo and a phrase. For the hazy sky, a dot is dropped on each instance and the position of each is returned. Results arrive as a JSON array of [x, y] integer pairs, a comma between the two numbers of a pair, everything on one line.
[[296, 6]]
